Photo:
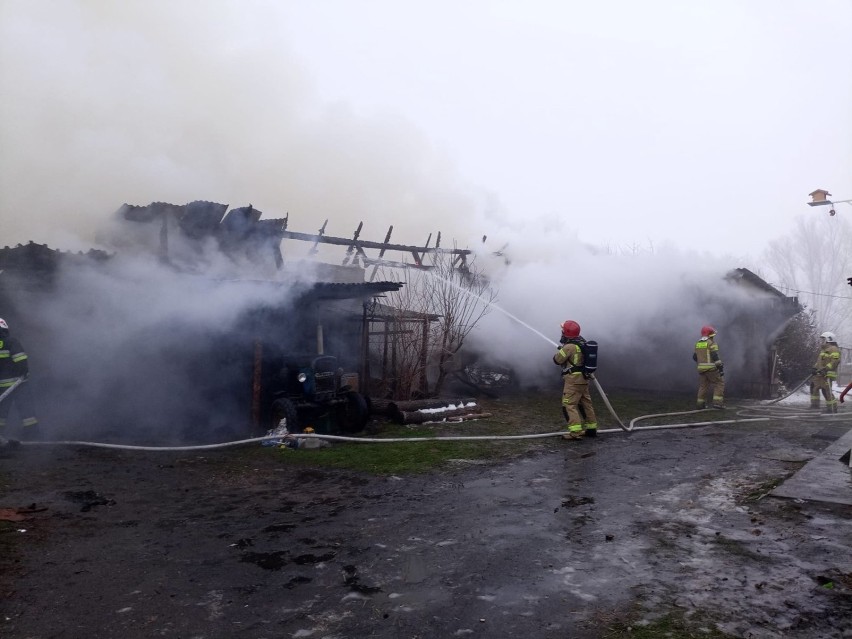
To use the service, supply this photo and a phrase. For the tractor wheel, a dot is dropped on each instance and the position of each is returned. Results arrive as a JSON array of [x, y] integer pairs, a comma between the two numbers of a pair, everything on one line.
[[285, 409], [355, 413]]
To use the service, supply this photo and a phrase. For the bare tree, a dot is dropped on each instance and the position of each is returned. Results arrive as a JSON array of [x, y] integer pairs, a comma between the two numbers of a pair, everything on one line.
[[404, 342], [813, 262], [796, 348], [432, 315]]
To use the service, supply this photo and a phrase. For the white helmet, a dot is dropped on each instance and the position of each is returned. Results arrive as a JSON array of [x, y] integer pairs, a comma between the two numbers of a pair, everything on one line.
[[3, 324], [828, 336]]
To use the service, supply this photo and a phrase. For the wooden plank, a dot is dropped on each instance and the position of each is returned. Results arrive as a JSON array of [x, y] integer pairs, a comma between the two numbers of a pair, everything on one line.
[[381, 253], [354, 245], [319, 237]]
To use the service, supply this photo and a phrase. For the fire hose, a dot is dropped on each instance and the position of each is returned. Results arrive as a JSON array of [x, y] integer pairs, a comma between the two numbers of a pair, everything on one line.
[[9, 390], [744, 417]]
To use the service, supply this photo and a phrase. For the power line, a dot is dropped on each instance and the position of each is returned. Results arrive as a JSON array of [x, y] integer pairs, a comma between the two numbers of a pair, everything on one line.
[[795, 290]]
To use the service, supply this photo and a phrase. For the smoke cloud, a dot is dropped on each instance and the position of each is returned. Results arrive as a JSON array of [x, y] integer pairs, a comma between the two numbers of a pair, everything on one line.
[[113, 103], [182, 101], [645, 309]]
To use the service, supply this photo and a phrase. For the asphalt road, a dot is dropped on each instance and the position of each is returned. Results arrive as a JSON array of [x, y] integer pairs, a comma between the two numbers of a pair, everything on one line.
[[559, 544]]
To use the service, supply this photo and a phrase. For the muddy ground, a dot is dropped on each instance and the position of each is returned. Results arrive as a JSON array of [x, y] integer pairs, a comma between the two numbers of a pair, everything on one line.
[[579, 539]]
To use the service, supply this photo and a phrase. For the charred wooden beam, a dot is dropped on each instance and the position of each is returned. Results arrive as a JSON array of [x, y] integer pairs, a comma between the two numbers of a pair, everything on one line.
[[343, 241], [319, 237], [381, 253], [396, 408], [353, 246]]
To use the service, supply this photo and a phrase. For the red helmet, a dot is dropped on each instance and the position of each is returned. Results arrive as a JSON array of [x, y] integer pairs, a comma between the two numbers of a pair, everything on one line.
[[707, 331], [570, 328]]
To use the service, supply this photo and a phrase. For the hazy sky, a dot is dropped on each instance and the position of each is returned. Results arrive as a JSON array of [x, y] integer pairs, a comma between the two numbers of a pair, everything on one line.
[[701, 124]]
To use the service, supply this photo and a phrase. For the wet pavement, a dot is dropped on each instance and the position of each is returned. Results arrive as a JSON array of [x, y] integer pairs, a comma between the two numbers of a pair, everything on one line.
[[554, 544], [823, 478]]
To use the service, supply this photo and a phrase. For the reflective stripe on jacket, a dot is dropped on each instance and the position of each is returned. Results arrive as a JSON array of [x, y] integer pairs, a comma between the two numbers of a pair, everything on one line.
[[569, 356], [13, 361], [706, 354], [829, 359]]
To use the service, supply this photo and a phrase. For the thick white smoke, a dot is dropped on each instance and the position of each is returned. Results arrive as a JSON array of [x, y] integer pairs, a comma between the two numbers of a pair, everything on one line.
[[134, 102], [113, 103], [645, 309]]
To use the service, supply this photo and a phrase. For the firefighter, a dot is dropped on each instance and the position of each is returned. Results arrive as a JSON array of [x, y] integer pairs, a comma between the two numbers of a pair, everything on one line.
[[576, 401], [14, 365], [824, 373], [711, 371]]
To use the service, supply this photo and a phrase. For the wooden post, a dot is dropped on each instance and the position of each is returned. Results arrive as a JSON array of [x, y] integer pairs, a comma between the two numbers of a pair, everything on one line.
[[365, 352], [385, 352], [256, 383], [424, 382], [394, 370]]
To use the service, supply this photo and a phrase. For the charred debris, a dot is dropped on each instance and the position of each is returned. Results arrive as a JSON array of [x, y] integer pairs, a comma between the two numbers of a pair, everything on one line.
[[195, 321]]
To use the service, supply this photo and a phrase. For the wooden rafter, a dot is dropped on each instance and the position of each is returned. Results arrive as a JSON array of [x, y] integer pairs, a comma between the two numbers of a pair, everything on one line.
[[356, 249]]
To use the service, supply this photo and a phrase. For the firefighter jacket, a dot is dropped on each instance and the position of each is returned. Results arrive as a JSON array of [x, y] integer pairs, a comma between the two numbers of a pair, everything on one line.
[[13, 361], [828, 361], [706, 355], [570, 358]]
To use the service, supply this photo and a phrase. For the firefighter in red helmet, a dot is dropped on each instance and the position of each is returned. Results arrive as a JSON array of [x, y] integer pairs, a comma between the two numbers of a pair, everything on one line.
[[711, 371], [576, 400]]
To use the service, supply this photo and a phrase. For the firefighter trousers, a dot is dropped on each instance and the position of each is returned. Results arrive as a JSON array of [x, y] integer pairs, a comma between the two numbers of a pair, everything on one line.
[[710, 380], [822, 384], [577, 404], [22, 397]]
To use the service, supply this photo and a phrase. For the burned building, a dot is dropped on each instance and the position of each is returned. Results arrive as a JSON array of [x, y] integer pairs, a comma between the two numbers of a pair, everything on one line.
[[180, 234], [757, 329], [192, 321], [150, 347]]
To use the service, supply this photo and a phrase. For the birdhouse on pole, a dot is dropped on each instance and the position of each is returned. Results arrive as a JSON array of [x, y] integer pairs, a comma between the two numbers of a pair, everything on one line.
[[819, 197]]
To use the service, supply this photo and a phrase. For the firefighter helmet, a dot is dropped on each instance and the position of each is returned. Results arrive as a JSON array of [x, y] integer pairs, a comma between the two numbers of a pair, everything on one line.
[[3, 324], [828, 336], [570, 328], [707, 331]]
